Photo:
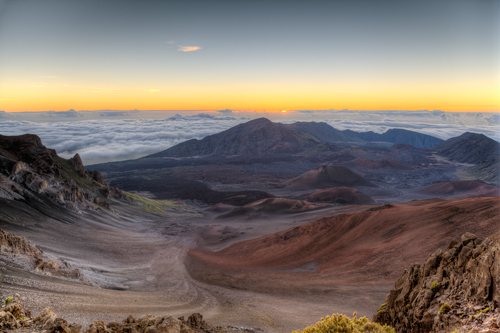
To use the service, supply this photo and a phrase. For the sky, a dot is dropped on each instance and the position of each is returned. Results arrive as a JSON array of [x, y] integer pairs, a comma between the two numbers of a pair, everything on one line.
[[250, 55]]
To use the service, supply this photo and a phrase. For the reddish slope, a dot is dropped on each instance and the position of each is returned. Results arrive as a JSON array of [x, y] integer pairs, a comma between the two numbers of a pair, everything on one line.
[[328, 176], [341, 195], [272, 206], [461, 188], [367, 247]]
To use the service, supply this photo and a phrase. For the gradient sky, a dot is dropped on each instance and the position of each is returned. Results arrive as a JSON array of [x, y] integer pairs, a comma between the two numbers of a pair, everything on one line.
[[157, 55]]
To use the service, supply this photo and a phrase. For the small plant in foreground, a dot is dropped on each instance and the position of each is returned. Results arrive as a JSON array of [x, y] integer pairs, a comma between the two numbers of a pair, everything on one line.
[[435, 286], [445, 308], [341, 323], [8, 300]]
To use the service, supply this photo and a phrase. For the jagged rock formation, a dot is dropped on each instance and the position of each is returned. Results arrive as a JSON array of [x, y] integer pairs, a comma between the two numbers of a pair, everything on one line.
[[13, 244], [453, 288], [13, 317], [29, 169]]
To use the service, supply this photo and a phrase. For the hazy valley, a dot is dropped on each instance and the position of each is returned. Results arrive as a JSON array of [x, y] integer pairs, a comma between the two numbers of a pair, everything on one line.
[[266, 225]]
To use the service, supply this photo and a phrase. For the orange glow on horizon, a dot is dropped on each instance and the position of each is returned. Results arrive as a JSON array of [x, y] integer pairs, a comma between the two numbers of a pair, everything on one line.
[[456, 97]]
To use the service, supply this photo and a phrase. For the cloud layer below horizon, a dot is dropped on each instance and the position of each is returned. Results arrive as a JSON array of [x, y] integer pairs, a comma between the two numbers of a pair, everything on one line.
[[108, 140]]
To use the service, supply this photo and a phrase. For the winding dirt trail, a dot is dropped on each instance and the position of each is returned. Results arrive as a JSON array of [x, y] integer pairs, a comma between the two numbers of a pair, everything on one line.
[[134, 263]]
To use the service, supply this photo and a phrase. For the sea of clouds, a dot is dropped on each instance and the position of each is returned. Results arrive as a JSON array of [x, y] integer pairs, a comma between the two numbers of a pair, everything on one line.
[[108, 139], [99, 141]]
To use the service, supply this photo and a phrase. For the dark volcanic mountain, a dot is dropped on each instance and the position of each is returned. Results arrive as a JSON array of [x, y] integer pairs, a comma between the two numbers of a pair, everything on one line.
[[322, 131], [475, 149], [259, 136], [394, 136], [470, 148]]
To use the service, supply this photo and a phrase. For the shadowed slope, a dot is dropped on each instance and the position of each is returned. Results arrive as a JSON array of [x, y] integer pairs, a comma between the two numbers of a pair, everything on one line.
[[272, 206], [470, 148], [321, 131], [259, 136], [396, 135], [328, 176], [386, 164], [477, 149], [341, 195], [461, 188]]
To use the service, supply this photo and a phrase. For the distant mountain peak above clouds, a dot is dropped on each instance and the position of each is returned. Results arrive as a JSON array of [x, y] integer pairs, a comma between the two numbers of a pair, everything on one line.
[[262, 136], [258, 136]]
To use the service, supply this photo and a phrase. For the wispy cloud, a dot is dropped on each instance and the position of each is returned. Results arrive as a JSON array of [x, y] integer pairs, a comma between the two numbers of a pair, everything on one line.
[[185, 48]]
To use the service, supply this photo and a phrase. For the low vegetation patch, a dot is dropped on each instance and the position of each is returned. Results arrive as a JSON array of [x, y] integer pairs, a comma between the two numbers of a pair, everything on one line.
[[435, 286], [339, 323], [160, 206], [445, 308]]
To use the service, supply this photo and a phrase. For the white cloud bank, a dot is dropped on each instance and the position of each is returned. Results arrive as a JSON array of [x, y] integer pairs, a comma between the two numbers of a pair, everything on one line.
[[110, 136], [99, 141]]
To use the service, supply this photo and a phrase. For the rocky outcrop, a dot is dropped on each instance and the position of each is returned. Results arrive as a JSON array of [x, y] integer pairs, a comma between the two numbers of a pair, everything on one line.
[[13, 244], [13, 317], [77, 163], [458, 287], [28, 169]]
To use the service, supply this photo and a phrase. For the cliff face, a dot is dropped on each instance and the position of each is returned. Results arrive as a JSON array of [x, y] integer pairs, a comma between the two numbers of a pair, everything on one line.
[[458, 287], [30, 170]]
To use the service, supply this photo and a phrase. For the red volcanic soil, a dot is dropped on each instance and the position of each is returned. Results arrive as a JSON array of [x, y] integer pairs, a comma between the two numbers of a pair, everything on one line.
[[272, 206], [461, 188], [341, 195], [372, 247], [386, 164], [328, 176]]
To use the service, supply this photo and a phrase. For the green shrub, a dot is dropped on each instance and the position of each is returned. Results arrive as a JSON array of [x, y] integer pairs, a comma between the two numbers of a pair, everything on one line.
[[339, 323], [435, 286], [445, 308], [483, 311]]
